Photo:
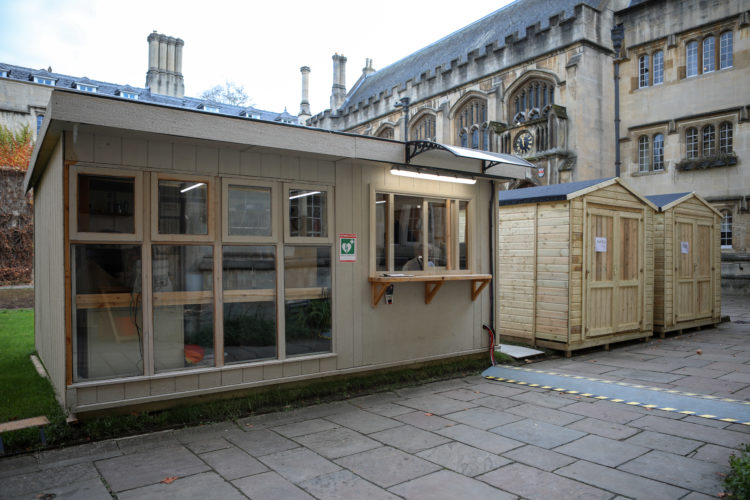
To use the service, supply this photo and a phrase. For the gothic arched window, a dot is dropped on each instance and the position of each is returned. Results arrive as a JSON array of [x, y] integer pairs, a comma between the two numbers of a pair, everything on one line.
[[470, 120], [531, 100], [385, 133], [424, 129]]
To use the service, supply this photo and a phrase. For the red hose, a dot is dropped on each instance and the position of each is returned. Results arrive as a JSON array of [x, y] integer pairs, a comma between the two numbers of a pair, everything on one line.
[[492, 344]]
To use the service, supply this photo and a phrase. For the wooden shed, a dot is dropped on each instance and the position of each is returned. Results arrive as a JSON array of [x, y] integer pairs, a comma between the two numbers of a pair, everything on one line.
[[575, 264], [687, 262]]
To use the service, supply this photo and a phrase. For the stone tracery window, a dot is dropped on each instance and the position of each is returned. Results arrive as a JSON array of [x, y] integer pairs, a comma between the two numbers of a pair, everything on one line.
[[385, 133], [471, 122], [531, 100], [424, 129]]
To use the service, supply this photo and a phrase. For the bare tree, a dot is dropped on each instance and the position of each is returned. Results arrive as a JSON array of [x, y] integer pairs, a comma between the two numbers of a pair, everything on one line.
[[229, 93]]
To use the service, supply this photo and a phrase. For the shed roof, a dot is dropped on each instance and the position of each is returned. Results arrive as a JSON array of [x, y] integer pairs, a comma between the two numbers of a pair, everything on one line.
[[662, 200]]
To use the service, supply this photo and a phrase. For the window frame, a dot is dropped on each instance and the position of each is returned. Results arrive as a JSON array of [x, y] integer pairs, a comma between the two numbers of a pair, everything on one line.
[[726, 222], [643, 71], [708, 54], [708, 138], [691, 59], [658, 56], [210, 209], [44, 80], [644, 154], [88, 236], [726, 50], [226, 182], [323, 188], [657, 155], [726, 137], [692, 143]]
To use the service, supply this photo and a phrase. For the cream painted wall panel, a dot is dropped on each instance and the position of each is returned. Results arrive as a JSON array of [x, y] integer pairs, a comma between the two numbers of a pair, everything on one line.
[[309, 173], [292, 369], [134, 152], [310, 366], [229, 161], [107, 149], [79, 146], [326, 171], [113, 392], [270, 165], [208, 380], [273, 371], [344, 318], [161, 386], [184, 157], [252, 374], [361, 227], [160, 155], [135, 390], [231, 376], [207, 160], [250, 164], [186, 383], [290, 167]]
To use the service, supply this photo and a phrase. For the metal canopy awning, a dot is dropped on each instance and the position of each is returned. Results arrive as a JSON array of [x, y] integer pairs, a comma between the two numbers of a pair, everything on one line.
[[489, 161]]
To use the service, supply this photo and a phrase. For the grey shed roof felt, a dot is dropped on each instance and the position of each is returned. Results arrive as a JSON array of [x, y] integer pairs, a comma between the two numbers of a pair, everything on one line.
[[490, 30], [553, 192], [662, 200]]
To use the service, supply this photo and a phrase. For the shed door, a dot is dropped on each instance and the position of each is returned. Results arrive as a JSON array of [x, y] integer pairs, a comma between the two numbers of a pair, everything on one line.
[[613, 286], [693, 276]]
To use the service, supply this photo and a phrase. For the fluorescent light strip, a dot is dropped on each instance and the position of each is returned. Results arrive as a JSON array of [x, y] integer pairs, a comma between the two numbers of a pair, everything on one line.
[[309, 193], [433, 177], [189, 188]]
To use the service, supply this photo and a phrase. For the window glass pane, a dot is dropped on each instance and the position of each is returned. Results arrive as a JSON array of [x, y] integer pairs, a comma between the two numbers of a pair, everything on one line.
[[463, 261], [183, 207], [307, 213], [106, 204], [249, 211], [107, 314], [691, 58], [658, 152], [691, 143], [709, 140], [658, 67], [726, 229], [709, 55], [725, 138], [183, 306], [249, 281], [437, 221], [381, 228], [407, 233], [643, 154], [307, 308], [475, 139], [725, 50], [643, 71]]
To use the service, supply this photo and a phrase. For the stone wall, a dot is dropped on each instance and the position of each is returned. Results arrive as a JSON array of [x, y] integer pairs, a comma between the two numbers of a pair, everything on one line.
[[16, 229]]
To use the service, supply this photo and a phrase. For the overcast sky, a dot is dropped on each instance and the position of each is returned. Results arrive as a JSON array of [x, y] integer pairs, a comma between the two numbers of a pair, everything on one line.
[[260, 45]]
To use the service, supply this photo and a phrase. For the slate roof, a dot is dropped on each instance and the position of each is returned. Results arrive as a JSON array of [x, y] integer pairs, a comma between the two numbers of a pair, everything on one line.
[[491, 29], [553, 192], [144, 95], [662, 200]]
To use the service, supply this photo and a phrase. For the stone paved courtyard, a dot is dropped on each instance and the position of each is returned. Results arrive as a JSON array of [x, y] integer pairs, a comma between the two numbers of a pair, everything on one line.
[[461, 438]]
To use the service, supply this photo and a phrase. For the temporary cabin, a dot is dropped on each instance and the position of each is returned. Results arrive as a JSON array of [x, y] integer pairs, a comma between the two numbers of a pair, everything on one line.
[[687, 262], [575, 264], [180, 253]]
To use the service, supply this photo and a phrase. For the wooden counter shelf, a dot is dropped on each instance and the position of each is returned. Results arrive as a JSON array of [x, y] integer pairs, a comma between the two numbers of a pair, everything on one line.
[[432, 283]]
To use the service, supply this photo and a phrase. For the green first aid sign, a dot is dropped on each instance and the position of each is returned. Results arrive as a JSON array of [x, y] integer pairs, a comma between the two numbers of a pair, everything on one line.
[[347, 247]]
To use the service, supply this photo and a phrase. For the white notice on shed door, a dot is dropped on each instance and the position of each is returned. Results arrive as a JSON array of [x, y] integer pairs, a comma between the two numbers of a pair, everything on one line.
[[600, 244], [685, 246]]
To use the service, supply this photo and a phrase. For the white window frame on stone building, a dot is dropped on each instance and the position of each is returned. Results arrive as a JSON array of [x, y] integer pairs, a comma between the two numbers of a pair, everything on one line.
[[726, 43], [643, 154], [726, 229], [658, 67], [709, 54], [45, 80], [86, 87], [658, 153], [643, 71], [702, 56], [725, 137]]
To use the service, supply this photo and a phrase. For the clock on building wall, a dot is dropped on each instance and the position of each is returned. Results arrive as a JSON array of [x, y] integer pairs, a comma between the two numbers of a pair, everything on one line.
[[523, 142]]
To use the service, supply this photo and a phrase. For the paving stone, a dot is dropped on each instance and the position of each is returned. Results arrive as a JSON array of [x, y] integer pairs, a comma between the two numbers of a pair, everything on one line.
[[714, 454], [487, 441], [208, 444], [601, 450], [531, 483], [709, 422], [539, 457], [544, 414], [390, 409], [688, 430], [91, 489], [386, 466], [205, 432], [497, 389], [703, 385], [270, 486], [47, 480], [304, 427], [363, 421], [683, 472], [299, 464], [145, 442], [338, 442], [463, 394], [149, 467], [424, 421], [664, 442], [743, 378], [343, 485], [82, 453], [261, 442], [496, 402], [372, 400], [482, 418], [619, 414], [437, 405], [463, 458], [233, 463], [409, 438], [602, 428], [645, 375], [545, 399], [701, 372], [626, 484], [21, 464], [447, 485], [208, 486], [537, 433], [698, 496]]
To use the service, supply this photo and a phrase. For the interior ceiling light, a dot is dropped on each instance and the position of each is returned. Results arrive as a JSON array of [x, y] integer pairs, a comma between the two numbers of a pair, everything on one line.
[[432, 177], [308, 193], [192, 187]]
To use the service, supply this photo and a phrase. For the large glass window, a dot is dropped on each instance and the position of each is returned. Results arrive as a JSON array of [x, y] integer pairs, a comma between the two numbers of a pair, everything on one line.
[[107, 314], [691, 59], [726, 229], [249, 281], [709, 54], [725, 138], [182, 207], [183, 306], [381, 233], [424, 129], [691, 143], [643, 71], [307, 307], [248, 211], [658, 161], [308, 213], [106, 204], [643, 154], [725, 50], [658, 67], [709, 140], [469, 119]]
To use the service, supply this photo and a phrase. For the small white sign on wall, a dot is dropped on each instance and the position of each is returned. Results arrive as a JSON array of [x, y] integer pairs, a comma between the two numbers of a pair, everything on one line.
[[600, 244], [685, 246]]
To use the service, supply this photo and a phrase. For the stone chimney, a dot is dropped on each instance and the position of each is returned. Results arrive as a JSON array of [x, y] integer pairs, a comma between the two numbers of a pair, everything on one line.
[[338, 91], [368, 69], [164, 74], [304, 105]]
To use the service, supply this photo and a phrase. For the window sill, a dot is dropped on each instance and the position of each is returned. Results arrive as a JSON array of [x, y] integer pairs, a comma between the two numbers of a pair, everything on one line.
[[650, 172], [432, 283]]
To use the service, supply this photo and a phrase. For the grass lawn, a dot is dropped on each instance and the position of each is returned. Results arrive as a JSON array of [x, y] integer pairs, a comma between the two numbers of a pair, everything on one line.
[[23, 394]]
